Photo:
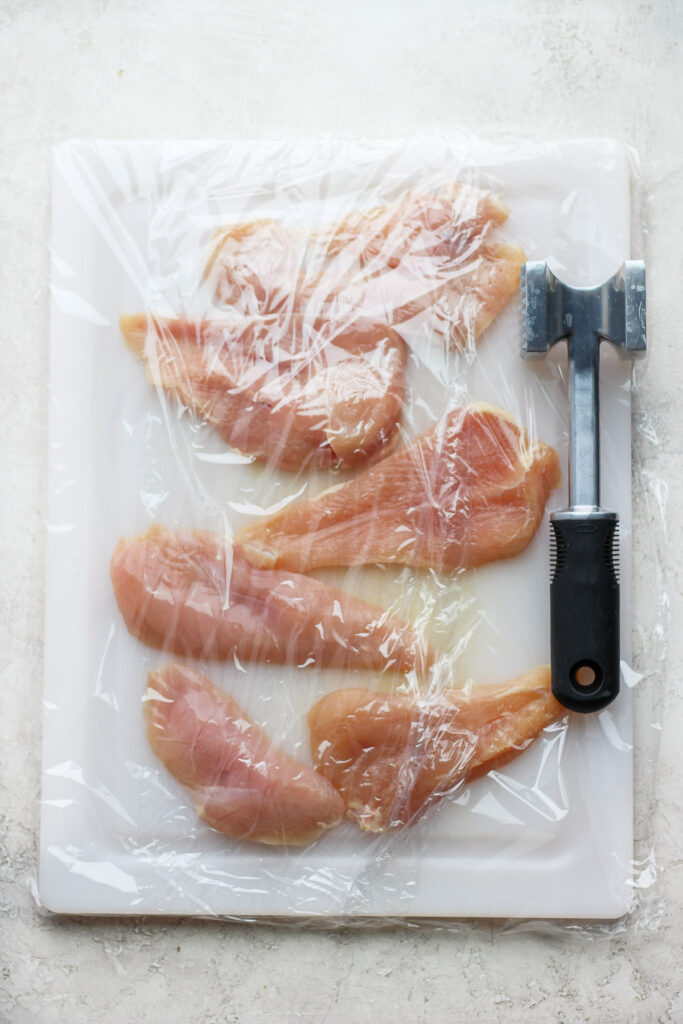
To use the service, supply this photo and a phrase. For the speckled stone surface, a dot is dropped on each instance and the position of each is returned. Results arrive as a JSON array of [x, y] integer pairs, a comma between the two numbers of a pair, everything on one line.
[[218, 68]]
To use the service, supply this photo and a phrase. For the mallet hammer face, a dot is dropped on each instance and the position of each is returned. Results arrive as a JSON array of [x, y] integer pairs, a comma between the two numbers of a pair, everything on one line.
[[553, 311]]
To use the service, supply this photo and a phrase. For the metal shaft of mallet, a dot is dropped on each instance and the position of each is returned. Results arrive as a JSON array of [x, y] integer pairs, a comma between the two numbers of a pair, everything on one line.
[[584, 591], [584, 421]]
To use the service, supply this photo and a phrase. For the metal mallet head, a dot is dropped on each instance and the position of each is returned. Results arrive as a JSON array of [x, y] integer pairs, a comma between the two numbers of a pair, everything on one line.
[[584, 594], [617, 308]]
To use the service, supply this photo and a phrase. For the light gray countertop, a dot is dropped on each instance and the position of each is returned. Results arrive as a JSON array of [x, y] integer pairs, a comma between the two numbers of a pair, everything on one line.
[[215, 68]]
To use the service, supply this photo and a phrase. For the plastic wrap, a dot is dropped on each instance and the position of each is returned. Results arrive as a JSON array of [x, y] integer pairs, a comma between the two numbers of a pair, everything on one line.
[[297, 592]]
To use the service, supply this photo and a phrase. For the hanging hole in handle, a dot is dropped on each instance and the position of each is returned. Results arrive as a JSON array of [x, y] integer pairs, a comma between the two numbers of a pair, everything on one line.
[[586, 676]]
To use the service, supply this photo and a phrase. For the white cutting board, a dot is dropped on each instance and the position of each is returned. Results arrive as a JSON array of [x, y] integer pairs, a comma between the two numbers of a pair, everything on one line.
[[551, 835]]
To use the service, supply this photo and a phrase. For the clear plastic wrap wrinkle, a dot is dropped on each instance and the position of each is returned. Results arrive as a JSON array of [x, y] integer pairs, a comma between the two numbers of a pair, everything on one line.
[[297, 585]]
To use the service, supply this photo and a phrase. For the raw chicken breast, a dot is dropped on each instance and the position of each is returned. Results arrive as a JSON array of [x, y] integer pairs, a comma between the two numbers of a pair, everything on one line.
[[418, 224], [391, 756], [189, 593], [464, 302], [388, 264], [471, 301], [240, 783], [265, 266], [281, 389], [472, 490]]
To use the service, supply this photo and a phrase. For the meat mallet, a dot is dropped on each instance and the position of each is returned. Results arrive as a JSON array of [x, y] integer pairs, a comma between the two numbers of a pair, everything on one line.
[[584, 558]]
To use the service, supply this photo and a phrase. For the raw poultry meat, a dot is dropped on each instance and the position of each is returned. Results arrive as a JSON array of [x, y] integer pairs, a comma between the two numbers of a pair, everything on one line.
[[281, 389], [240, 783], [190, 593], [389, 264], [255, 264], [442, 225], [471, 490], [391, 756]]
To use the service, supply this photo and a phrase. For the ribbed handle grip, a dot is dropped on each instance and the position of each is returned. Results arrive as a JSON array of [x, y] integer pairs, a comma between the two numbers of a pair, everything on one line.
[[584, 609]]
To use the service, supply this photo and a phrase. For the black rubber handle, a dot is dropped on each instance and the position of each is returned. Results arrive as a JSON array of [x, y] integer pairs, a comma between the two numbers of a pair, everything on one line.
[[584, 609]]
